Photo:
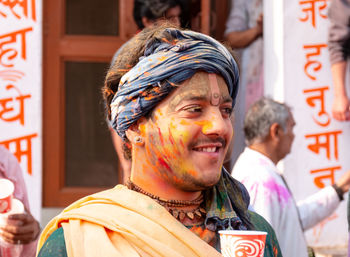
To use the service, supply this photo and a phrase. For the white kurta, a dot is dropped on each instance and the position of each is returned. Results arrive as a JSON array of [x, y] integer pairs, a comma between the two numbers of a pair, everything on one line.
[[270, 197], [243, 16]]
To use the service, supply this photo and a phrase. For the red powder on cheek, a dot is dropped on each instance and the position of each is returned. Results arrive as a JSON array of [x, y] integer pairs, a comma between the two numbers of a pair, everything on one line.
[[182, 144], [164, 164], [168, 153], [160, 137]]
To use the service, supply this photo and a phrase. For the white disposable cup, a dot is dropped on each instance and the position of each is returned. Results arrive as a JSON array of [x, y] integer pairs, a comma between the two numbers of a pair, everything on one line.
[[7, 249], [6, 194], [239, 243]]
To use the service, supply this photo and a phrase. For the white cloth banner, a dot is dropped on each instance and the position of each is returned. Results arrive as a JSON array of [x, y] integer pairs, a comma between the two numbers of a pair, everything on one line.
[[21, 90], [296, 51]]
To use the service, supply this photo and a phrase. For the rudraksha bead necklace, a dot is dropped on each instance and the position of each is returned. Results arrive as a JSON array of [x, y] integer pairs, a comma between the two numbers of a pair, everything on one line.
[[171, 205]]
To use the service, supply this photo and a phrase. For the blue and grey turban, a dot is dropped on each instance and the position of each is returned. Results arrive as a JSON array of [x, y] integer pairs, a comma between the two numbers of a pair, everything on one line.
[[165, 65]]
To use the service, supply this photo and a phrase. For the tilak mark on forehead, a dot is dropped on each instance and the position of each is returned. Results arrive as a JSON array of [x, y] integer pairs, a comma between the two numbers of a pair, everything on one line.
[[215, 91]]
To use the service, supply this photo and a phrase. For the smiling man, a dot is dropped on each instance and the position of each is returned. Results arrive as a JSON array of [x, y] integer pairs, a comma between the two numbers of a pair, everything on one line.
[[169, 95]]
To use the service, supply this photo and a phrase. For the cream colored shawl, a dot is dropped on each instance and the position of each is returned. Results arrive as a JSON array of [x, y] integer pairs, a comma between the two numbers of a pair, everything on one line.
[[121, 222]]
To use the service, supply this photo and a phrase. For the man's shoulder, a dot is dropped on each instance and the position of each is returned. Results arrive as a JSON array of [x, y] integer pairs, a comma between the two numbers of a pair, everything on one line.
[[252, 162], [54, 245], [251, 168]]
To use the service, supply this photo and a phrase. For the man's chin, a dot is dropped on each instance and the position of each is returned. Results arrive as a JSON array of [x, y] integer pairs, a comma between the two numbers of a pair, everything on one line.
[[197, 185]]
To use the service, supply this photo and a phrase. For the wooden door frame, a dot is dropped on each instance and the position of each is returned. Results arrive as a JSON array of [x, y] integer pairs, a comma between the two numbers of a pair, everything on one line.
[[59, 48]]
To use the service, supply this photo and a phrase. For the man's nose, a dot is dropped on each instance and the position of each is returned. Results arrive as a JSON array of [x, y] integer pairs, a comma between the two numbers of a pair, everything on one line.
[[216, 124]]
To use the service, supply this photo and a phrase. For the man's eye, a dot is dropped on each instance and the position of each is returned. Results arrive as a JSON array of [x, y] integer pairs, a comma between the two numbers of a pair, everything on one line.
[[227, 111], [193, 109]]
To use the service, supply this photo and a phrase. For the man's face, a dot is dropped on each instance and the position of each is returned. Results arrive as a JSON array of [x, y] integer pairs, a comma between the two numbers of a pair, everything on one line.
[[189, 133], [174, 15], [287, 137]]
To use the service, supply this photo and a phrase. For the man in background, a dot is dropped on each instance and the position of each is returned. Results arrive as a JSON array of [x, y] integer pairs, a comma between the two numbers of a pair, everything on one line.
[[268, 129]]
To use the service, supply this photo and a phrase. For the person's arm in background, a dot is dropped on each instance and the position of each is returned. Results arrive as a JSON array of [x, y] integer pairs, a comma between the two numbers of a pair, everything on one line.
[[237, 32], [322, 204], [341, 102], [339, 44], [242, 39], [19, 228]]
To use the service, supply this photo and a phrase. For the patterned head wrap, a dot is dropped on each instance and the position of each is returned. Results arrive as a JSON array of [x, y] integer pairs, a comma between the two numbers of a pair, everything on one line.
[[164, 65]]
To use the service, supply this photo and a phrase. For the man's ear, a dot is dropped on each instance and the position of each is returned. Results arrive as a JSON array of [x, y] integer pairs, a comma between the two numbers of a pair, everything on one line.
[[275, 131], [134, 133]]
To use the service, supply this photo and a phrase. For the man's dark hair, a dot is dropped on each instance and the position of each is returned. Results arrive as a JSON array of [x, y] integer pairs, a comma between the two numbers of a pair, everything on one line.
[[152, 9]]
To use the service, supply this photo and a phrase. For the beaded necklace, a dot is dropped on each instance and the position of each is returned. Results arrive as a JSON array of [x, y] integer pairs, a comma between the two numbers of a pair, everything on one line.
[[170, 205]]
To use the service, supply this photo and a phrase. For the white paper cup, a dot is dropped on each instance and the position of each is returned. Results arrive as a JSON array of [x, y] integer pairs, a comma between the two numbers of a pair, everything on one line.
[[242, 243], [7, 249], [17, 207], [6, 194]]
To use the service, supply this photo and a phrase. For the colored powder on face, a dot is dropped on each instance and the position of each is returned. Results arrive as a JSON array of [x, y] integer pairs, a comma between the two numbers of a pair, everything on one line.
[[206, 125], [176, 133], [168, 153], [173, 143], [184, 123], [182, 144], [164, 164], [160, 137], [193, 173], [159, 113], [142, 129]]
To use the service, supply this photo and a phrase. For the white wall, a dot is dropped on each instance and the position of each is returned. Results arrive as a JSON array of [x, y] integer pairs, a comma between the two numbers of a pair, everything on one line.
[[292, 38], [21, 90]]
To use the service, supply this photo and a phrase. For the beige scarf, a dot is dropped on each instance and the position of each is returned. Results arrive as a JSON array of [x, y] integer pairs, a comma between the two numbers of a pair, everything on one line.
[[121, 222]]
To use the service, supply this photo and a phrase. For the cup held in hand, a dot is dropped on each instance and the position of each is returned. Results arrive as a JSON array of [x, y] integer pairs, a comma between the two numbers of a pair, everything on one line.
[[6, 194], [242, 243]]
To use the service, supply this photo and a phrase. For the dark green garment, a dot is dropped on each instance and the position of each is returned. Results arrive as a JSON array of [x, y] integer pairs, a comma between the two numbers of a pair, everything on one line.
[[272, 247], [55, 245]]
